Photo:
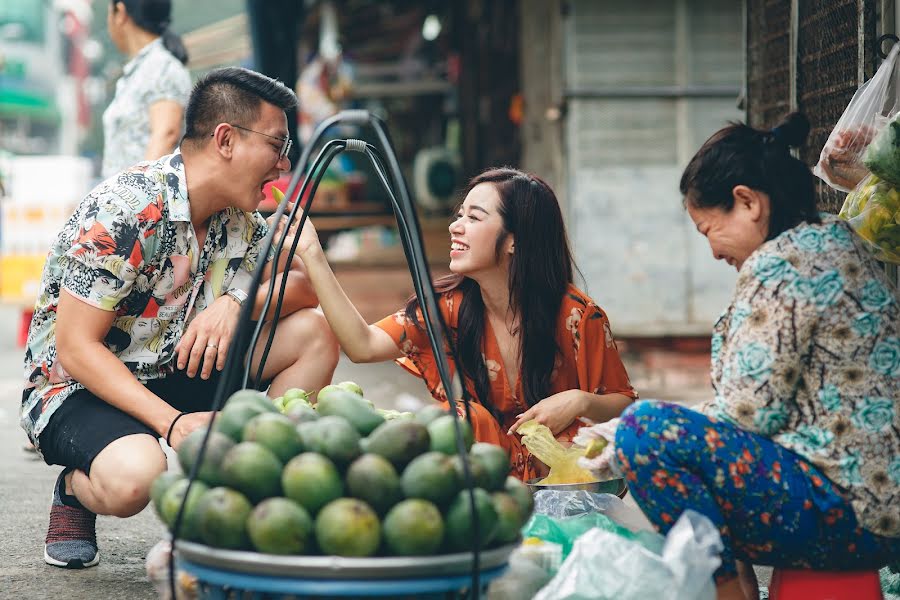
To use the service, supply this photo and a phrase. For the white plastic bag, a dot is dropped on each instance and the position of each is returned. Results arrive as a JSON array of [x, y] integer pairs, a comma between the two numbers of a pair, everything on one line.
[[871, 108], [604, 566]]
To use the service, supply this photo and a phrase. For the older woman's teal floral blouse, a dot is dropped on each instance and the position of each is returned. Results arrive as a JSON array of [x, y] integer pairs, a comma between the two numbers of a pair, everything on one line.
[[808, 354]]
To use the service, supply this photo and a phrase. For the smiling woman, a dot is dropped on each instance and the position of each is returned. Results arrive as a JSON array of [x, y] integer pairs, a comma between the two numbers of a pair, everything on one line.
[[802, 438], [530, 344]]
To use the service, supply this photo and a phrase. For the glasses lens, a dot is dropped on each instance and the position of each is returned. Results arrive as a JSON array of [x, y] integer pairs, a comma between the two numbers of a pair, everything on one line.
[[286, 147]]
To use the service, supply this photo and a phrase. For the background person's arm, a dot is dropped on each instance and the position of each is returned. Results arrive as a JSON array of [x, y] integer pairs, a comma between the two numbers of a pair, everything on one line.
[[165, 128]]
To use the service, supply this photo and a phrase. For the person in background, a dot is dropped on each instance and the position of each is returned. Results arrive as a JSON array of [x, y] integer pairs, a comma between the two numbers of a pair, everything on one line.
[[796, 460], [531, 345], [139, 304], [144, 119]]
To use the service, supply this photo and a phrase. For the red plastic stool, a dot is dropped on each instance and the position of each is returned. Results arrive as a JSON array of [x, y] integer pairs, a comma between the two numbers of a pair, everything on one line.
[[801, 584], [24, 324]]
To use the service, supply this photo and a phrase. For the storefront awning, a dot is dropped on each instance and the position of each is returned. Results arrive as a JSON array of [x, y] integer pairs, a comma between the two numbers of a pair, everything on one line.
[[20, 101]]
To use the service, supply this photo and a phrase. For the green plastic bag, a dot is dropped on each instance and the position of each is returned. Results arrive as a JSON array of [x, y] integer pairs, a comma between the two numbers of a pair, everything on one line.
[[565, 530]]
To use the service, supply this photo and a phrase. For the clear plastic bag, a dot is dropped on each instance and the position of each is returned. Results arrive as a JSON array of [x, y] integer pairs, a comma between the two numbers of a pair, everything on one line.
[[873, 210], [603, 565], [563, 517], [157, 565], [560, 504], [531, 566], [873, 105]]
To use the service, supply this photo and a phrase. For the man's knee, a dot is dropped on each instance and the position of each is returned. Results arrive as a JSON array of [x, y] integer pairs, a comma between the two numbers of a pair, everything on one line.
[[316, 336], [121, 477]]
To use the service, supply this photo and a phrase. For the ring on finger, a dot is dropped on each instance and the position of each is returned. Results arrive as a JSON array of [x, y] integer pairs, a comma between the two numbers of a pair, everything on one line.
[[211, 345]]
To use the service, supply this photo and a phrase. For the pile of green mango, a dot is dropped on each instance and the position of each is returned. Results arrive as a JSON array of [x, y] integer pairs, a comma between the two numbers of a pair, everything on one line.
[[337, 477], [873, 209]]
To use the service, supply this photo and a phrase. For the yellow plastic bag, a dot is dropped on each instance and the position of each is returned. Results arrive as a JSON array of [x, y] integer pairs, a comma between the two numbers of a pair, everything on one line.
[[563, 462]]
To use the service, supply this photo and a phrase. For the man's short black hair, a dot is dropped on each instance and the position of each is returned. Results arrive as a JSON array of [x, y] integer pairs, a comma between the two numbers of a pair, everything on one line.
[[232, 95]]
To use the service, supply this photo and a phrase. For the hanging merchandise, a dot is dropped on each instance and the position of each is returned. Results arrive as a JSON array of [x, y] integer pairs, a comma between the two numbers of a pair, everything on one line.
[[873, 105], [873, 210]]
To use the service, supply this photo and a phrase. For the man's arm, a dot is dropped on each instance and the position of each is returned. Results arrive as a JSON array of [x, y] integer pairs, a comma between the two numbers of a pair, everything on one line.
[[80, 331]]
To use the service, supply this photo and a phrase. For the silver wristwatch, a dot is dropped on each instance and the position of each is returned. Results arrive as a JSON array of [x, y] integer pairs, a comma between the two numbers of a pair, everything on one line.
[[237, 295]]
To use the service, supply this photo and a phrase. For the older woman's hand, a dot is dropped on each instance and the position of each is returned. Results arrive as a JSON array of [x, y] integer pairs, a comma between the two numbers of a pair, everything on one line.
[[598, 442]]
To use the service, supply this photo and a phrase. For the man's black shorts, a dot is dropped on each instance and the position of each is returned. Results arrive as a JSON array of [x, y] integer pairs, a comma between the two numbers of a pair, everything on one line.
[[84, 424]]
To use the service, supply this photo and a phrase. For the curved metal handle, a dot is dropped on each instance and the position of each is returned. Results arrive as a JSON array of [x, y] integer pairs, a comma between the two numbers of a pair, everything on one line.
[[879, 44]]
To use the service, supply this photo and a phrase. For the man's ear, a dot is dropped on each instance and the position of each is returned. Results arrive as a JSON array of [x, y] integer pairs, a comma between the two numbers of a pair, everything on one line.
[[756, 203], [223, 138]]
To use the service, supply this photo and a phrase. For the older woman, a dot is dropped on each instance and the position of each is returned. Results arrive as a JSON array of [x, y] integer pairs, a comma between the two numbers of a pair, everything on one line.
[[797, 459]]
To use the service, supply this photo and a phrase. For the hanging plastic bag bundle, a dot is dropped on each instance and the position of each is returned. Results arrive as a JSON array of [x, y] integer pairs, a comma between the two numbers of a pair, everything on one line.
[[873, 106], [873, 210]]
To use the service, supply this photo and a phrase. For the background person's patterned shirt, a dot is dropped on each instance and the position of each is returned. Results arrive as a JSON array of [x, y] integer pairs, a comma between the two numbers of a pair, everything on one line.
[[130, 248], [154, 74], [808, 354]]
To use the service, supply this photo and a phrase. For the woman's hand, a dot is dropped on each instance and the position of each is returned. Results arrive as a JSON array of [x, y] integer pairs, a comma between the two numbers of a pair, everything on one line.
[[309, 238], [599, 450], [556, 412]]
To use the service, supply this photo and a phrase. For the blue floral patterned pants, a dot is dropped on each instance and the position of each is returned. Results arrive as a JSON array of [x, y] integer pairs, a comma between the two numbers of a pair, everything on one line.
[[771, 507]]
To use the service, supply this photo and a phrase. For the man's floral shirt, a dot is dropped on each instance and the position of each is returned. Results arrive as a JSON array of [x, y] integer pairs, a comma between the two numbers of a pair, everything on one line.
[[130, 248]]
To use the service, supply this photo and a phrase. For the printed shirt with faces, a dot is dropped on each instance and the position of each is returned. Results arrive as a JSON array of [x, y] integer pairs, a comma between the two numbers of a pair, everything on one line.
[[130, 248], [153, 75], [808, 354]]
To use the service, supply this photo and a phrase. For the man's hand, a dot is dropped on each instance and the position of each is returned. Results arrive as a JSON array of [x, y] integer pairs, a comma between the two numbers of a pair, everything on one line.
[[208, 337], [186, 424], [556, 412]]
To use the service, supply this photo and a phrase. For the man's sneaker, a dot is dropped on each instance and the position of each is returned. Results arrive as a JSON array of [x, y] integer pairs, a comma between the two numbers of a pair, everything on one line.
[[71, 538]]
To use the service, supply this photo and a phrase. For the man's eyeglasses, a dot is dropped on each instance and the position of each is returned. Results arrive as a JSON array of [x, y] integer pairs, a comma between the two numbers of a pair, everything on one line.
[[286, 142]]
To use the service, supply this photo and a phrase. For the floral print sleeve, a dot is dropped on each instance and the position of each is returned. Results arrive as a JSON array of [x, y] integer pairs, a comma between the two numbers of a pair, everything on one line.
[[597, 360], [413, 342], [106, 257]]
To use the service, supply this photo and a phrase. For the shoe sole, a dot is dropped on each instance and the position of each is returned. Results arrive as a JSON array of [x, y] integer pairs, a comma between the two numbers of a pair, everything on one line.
[[72, 564]]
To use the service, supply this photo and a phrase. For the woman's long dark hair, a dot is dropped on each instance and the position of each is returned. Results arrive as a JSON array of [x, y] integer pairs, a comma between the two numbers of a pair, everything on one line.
[[761, 160], [155, 16], [540, 270]]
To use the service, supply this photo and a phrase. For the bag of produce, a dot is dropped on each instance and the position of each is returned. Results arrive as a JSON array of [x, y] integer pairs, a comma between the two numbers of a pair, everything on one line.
[[882, 157], [873, 210], [873, 105]]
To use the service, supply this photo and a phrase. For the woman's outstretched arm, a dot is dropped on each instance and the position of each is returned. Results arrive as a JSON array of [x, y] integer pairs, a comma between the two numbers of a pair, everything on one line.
[[361, 342]]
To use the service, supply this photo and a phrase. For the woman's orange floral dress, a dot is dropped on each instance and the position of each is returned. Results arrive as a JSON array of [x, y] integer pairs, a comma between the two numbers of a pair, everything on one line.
[[589, 361]]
